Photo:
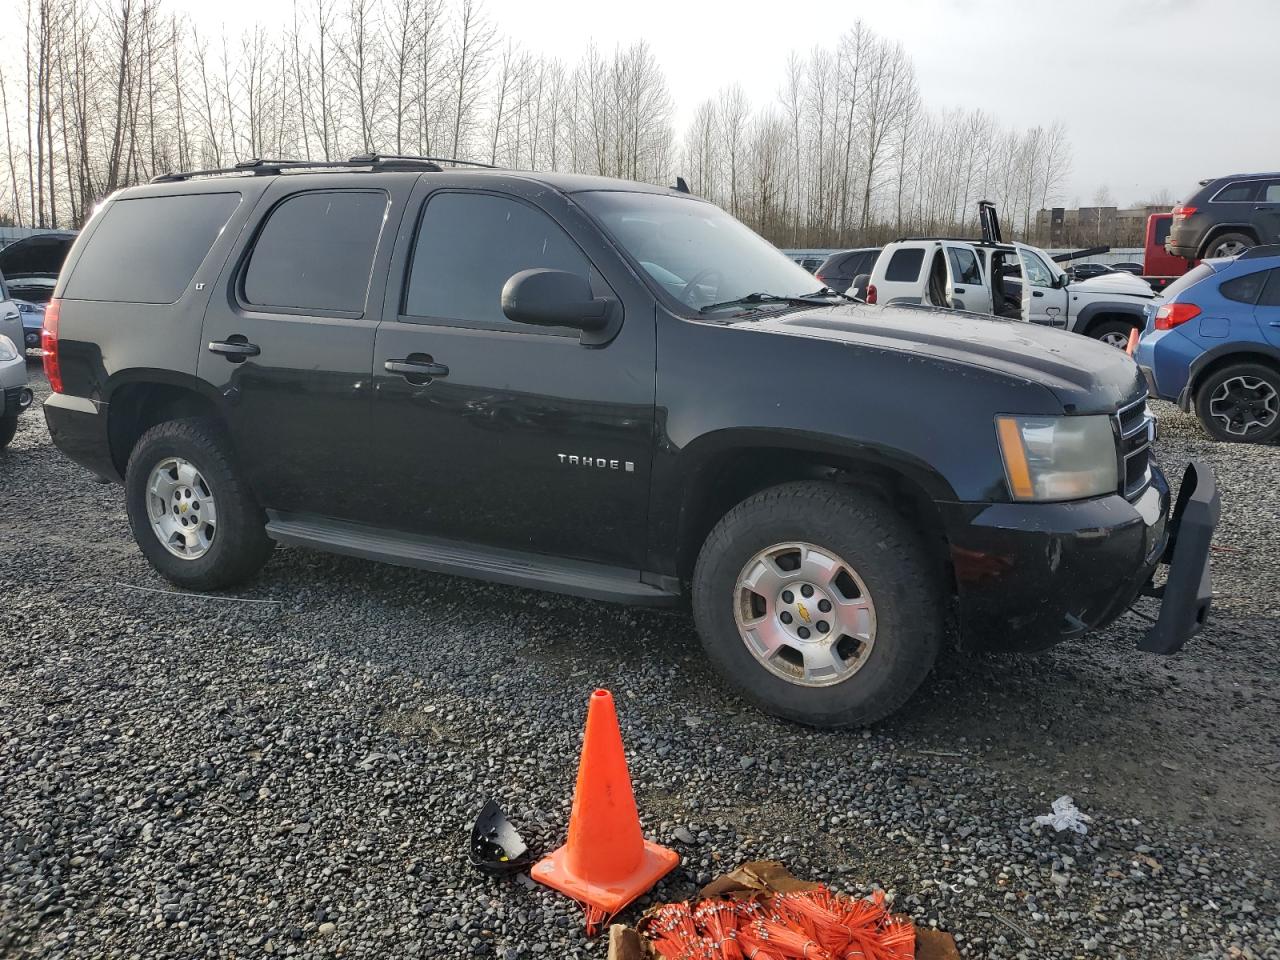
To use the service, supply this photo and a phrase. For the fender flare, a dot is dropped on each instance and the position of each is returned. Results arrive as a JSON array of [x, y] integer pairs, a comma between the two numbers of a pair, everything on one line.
[[1209, 358], [1089, 314], [1218, 229]]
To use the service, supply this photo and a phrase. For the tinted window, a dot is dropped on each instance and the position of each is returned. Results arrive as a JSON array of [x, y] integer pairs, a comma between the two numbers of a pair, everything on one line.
[[904, 266], [1271, 295], [1271, 192], [964, 265], [1244, 289], [470, 244], [1162, 230], [316, 252], [1235, 192], [147, 250]]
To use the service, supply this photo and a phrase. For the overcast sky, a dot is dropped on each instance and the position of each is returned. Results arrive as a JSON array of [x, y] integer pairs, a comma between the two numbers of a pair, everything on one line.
[[1155, 93]]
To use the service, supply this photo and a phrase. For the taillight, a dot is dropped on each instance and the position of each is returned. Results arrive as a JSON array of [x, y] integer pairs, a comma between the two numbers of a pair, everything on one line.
[[1175, 314], [49, 344], [871, 293], [1182, 212]]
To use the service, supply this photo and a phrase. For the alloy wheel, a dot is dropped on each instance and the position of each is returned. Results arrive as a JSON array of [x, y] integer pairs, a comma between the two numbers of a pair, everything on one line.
[[1115, 339], [1244, 405], [805, 614], [181, 508], [1230, 248]]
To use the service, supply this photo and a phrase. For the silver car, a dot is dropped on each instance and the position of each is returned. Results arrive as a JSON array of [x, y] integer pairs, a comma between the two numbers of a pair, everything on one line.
[[15, 395]]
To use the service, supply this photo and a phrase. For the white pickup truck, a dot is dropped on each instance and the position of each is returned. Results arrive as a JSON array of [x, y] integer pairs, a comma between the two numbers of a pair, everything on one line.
[[1010, 280]]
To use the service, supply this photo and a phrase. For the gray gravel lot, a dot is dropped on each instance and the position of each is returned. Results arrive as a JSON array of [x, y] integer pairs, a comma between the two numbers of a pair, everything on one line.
[[189, 777]]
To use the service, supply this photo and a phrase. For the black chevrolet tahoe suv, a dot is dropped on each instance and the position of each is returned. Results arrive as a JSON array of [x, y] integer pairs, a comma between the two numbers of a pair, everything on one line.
[[616, 391]]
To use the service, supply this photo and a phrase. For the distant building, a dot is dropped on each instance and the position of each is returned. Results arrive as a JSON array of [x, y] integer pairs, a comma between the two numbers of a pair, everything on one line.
[[1094, 226]]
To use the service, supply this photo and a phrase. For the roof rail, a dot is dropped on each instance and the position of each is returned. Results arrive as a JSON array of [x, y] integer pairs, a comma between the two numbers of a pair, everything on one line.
[[259, 167], [1263, 250]]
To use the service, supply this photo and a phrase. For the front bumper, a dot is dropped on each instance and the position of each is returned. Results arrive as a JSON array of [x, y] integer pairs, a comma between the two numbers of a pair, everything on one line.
[[1031, 575]]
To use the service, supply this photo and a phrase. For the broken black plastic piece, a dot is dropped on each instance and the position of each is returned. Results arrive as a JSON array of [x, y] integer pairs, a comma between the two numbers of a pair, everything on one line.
[[495, 846]]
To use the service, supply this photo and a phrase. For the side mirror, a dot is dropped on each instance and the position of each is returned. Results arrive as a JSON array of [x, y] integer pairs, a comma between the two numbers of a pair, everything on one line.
[[556, 298], [859, 286]]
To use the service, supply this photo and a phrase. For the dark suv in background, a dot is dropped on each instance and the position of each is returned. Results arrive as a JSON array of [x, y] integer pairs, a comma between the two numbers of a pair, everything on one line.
[[617, 391], [839, 270], [1227, 216]]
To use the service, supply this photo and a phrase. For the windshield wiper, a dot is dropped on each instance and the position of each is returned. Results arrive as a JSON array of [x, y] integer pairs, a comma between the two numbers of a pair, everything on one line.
[[751, 299]]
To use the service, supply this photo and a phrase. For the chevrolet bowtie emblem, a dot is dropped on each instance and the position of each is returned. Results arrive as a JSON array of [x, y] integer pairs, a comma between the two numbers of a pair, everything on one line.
[[804, 614]]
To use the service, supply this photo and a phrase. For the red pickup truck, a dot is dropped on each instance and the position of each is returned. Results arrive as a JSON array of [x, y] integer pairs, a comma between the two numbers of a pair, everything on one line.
[[1159, 267]]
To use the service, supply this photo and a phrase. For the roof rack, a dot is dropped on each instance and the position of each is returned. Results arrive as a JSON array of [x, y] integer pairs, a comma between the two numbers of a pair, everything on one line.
[[258, 167]]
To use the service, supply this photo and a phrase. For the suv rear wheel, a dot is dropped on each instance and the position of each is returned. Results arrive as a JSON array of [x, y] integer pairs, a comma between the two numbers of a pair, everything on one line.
[[8, 430], [193, 518], [1241, 403], [817, 602], [1228, 245]]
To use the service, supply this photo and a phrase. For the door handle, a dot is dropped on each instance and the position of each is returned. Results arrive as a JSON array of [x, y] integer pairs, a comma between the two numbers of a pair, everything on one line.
[[235, 348], [13, 316], [1275, 323], [960, 290], [411, 367], [1036, 293]]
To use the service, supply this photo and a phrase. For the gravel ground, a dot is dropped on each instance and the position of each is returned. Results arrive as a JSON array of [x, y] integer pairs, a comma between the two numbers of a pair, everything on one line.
[[188, 777]]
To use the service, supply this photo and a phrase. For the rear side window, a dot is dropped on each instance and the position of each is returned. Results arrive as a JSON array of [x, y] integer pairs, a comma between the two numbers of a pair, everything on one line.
[[904, 266], [1244, 289], [1162, 230], [316, 252], [1271, 293], [146, 250], [1271, 192], [470, 244], [1236, 193], [964, 265]]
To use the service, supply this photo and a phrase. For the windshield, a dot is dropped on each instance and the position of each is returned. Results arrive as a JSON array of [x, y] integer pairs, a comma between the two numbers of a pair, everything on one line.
[[695, 252]]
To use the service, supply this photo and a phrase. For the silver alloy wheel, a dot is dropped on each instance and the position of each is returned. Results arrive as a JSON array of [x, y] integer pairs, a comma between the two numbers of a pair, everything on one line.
[[804, 614], [181, 508], [1230, 248], [1115, 339], [1244, 404]]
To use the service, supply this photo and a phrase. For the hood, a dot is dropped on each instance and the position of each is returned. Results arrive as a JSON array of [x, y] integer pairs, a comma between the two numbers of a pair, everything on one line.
[[1085, 375], [1118, 282], [37, 256]]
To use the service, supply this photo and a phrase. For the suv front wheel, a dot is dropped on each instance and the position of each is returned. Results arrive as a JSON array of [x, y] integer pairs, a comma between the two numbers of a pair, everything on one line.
[[193, 518], [818, 603]]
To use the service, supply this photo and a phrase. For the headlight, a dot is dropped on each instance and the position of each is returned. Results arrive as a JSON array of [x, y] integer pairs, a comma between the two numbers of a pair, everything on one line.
[[7, 350], [1058, 458]]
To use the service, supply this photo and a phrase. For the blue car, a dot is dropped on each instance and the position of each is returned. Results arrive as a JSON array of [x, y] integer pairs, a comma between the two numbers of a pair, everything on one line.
[[1212, 343]]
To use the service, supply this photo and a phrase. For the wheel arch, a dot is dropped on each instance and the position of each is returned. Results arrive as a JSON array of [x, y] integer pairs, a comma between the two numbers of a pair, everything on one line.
[[140, 399], [1218, 229], [1094, 314], [1219, 358], [731, 467]]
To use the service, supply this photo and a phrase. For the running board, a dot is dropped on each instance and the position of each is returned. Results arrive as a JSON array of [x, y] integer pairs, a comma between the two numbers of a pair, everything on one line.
[[575, 577]]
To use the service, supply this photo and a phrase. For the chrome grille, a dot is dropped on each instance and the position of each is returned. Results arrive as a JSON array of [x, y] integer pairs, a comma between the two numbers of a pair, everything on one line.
[[1135, 433]]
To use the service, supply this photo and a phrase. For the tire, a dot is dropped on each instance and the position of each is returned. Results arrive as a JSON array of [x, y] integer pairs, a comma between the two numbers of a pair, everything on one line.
[[231, 550], [1109, 330], [1226, 392], [8, 429], [890, 568], [1228, 245]]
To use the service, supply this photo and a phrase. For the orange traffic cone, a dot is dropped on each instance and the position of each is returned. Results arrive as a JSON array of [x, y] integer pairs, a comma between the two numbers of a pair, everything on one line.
[[1133, 341], [606, 862]]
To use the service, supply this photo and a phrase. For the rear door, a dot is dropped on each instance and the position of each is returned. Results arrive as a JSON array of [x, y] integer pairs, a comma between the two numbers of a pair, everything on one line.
[[968, 287], [1042, 301], [1266, 213], [289, 341]]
